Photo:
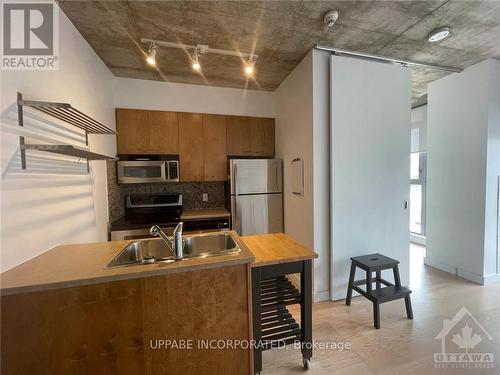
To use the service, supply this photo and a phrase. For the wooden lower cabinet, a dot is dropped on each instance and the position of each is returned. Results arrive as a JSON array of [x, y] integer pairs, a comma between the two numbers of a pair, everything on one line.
[[115, 327]]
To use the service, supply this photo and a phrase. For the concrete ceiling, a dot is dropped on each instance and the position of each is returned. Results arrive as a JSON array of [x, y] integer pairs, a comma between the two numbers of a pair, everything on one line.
[[281, 33]]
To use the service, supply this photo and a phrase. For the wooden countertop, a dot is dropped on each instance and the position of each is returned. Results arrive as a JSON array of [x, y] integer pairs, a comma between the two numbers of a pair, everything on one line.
[[204, 214], [83, 264], [275, 249]]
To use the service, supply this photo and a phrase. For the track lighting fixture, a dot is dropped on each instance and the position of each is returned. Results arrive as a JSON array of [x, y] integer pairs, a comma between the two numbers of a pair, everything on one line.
[[195, 61], [250, 66], [151, 57], [197, 51]]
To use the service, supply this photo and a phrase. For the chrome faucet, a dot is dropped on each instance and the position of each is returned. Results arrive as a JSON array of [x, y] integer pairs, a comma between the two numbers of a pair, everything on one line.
[[175, 244]]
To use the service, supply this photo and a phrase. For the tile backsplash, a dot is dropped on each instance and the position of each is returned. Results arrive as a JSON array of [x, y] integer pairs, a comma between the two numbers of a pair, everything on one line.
[[192, 192]]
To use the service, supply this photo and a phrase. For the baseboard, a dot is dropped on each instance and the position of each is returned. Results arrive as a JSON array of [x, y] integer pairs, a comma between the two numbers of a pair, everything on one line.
[[440, 266], [490, 279], [418, 239], [322, 296], [475, 278]]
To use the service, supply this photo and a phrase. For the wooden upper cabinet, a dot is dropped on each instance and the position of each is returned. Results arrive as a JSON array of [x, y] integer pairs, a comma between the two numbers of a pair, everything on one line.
[[250, 136], [262, 136], [147, 132], [133, 131], [214, 148], [239, 136], [191, 146], [163, 133], [202, 141]]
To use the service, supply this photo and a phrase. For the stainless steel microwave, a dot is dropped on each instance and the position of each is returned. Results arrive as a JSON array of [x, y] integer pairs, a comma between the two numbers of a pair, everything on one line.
[[147, 171]]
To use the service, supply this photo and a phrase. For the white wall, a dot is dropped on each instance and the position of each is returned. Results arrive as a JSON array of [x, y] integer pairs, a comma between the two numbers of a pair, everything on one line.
[[463, 168], [53, 202], [168, 96], [294, 139], [419, 121], [302, 131], [370, 143], [321, 171]]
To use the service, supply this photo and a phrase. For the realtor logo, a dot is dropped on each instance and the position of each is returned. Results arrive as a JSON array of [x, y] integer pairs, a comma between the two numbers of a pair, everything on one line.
[[461, 339], [30, 35]]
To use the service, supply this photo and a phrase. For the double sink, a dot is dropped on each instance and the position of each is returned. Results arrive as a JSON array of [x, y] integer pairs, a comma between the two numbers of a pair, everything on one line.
[[156, 250]]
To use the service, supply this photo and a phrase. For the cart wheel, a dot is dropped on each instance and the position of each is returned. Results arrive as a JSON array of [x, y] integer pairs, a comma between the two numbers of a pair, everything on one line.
[[307, 363]]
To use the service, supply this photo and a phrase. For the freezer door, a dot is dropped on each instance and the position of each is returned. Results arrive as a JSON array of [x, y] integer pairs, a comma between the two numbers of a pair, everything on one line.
[[257, 214], [255, 176]]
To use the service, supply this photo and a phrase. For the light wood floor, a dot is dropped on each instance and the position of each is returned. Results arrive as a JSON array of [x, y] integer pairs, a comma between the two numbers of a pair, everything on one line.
[[401, 346]]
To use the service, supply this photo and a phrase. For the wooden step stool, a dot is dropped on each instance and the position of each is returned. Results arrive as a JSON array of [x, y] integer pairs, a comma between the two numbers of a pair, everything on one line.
[[377, 263]]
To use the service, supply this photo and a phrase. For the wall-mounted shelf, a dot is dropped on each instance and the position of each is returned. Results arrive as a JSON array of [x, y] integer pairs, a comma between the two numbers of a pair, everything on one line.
[[67, 113], [69, 150]]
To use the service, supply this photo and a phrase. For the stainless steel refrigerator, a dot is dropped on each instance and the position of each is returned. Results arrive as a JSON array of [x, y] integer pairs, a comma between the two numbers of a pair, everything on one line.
[[256, 187]]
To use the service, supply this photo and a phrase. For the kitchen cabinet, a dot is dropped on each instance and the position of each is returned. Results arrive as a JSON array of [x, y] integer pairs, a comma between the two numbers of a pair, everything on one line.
[[142, 132], [163, 133], [202, 141], [191, 146], [262, 136], [133, 131], [115, 327], [250, 136], [214, 148], [239, 136]]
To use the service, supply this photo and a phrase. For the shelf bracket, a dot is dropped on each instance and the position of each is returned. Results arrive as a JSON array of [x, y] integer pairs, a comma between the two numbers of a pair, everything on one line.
[[86, 144], [20, 120]]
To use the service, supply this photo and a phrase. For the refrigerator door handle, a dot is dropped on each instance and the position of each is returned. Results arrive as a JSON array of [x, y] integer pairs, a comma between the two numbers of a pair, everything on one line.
[[235, 177], [235, 173], [276, 177]]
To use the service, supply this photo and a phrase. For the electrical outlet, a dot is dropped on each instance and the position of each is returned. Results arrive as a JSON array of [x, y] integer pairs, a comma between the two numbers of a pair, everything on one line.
[[205, 197]]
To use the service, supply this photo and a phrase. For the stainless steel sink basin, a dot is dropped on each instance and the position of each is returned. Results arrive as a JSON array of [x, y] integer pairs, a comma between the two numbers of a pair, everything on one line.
[[156, 250], [142, 252], [209, 245]]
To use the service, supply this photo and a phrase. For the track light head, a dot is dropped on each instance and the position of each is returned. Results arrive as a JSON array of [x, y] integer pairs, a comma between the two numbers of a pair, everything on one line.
[[195, 62], [250, 66], [330, 18], [151, 57]]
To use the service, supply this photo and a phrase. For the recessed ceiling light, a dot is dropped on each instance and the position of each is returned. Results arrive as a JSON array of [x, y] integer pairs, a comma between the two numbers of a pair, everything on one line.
[[439, 34]]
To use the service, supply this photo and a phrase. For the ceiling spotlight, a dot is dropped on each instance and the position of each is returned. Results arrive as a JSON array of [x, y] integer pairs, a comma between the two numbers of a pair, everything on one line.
[[248, 70], [151, 57], [439, 34], [250, 66], [195, 62], [330, 18]]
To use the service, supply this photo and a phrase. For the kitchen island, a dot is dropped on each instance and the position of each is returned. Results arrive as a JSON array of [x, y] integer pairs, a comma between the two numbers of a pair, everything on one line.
[[64, 312]]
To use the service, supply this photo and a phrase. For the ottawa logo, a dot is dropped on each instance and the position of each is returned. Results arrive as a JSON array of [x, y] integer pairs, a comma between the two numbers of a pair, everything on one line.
[[461, 339]]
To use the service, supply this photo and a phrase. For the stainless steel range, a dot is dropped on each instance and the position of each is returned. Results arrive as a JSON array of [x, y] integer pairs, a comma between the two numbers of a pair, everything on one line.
[[145, 210], [142, 211]]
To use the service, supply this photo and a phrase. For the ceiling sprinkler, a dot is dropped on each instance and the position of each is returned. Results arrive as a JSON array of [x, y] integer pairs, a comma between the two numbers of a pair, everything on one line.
[[330, 18]]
